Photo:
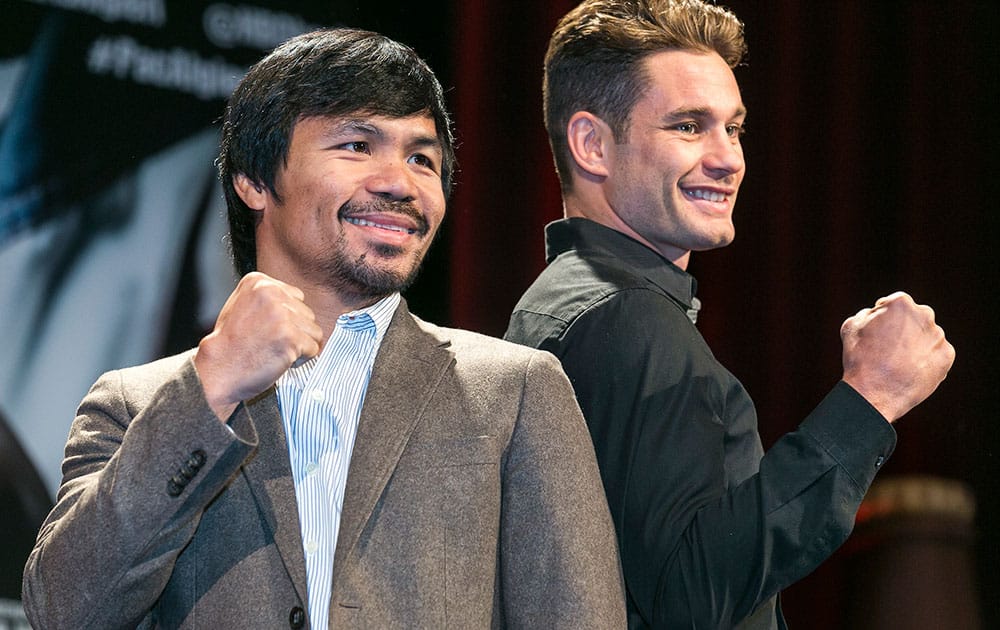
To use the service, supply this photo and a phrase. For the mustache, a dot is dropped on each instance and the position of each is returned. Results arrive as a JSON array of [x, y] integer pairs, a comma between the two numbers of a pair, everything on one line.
[[359, 209]]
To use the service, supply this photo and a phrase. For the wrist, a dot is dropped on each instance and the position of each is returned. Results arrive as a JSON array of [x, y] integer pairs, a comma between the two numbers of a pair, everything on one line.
[[216, 395], [886, 404]]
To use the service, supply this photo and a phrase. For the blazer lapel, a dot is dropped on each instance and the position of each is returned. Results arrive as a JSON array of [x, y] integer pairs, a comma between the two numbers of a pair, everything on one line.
[[270, 478], [407, 370]]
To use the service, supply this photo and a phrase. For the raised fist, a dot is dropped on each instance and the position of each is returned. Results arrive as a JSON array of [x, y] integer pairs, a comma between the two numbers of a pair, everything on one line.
[[894, 354], [263, 329]]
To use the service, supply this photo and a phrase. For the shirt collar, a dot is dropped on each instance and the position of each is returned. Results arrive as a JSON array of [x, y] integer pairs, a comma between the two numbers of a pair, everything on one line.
[[380, 314], [617, 249]]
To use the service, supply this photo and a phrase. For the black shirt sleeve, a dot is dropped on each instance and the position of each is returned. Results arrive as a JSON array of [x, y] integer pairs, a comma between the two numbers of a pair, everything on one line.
[[708, 530]]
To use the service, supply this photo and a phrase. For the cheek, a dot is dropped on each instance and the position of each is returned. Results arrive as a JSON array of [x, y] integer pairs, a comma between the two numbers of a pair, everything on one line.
[[434, 203]]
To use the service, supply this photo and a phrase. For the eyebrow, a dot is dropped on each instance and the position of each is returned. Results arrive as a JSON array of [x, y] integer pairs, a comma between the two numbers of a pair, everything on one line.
[[362, 126], [427, 142], [699, 112], [355, 125]]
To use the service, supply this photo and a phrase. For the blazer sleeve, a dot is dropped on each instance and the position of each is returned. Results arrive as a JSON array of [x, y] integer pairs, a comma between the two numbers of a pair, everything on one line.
[[137, 475], [559, 558]]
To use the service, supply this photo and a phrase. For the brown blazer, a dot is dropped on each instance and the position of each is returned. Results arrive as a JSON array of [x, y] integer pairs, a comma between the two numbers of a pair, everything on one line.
[[473, 501]]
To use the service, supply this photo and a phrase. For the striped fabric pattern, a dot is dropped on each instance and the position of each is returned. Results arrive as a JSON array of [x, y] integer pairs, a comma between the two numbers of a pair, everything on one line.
[[320, 406]]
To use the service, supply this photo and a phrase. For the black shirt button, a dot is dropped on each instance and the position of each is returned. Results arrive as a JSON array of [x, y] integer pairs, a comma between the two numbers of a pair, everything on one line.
[[297, 618]]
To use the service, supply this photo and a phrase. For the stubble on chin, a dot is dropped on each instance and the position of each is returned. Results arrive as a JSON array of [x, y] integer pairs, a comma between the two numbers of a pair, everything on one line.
[[362, 277]]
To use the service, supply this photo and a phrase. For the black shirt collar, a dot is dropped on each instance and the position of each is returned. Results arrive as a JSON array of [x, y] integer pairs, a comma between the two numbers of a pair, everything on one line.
[[595, 240]]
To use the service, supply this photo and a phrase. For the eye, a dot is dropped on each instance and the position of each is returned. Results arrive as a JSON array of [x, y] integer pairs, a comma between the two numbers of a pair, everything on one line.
[[358, 146], [735, 131], [422, 160], [686, 127]]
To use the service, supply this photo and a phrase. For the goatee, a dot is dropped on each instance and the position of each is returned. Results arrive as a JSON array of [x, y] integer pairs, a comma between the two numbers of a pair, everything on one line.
[[362, 276]]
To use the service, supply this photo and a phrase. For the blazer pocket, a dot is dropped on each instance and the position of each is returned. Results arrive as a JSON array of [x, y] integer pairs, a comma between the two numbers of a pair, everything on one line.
[[469, 451]]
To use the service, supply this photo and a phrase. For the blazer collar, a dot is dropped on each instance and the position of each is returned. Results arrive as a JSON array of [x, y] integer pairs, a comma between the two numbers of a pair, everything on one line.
[[410, 363], [269, 473]]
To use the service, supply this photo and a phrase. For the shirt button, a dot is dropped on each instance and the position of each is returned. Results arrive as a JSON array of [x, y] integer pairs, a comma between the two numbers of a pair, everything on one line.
[[318, 395], [311, 546], [310, 468]]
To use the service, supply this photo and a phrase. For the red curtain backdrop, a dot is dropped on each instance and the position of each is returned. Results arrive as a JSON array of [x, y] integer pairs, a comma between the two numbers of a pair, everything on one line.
[[872, 145]]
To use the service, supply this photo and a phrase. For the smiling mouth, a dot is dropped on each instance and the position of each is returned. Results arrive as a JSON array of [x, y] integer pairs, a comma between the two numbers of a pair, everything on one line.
[[707, 195], [391, 228]]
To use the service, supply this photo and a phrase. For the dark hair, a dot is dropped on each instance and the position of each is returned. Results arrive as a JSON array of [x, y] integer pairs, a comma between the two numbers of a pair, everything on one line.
[[330, 72], [594, 60]]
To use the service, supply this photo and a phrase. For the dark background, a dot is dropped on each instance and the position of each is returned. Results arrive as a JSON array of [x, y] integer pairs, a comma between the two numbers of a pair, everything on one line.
[[872, 153]]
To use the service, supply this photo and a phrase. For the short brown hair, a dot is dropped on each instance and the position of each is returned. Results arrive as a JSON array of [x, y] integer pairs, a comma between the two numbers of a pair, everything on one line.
[[594, 60]]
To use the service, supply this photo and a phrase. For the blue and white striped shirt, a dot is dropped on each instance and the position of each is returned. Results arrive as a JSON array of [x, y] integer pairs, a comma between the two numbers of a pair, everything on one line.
[[320, 405]]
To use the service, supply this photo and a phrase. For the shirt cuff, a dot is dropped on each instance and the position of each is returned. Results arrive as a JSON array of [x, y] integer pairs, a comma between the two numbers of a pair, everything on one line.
[[853, 432]]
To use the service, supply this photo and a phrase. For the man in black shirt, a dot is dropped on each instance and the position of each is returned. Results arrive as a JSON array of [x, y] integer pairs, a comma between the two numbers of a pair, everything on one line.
[[644, 116]]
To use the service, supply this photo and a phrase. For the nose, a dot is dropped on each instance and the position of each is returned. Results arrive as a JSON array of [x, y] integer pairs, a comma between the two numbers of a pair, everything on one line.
[[392, 179], [724, 154]]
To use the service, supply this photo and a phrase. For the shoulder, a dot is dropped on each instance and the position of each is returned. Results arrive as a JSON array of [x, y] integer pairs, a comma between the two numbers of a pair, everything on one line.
[[634, 336], [638, 313], [572, 283], [469, 345], [485, 355], [574, 287]]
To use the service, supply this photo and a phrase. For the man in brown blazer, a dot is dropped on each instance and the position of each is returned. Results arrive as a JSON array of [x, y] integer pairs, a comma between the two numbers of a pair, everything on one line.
[[325, 458]]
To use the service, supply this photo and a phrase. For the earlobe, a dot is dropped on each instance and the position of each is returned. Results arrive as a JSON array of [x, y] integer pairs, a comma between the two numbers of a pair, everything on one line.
[[253, 194], [589, 140]]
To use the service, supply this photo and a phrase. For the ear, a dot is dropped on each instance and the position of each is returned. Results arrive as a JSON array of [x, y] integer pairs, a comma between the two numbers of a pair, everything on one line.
[[590, 143], [253, 194]]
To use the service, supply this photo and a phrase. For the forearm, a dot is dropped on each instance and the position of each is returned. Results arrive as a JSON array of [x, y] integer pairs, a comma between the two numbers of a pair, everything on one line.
[[738, 551]]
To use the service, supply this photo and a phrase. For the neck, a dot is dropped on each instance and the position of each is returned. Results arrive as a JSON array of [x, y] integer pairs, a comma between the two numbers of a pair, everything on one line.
[[600, 211]]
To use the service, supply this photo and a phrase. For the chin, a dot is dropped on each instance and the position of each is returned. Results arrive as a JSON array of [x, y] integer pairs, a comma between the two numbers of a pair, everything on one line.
[[379, 280], [715, 243]]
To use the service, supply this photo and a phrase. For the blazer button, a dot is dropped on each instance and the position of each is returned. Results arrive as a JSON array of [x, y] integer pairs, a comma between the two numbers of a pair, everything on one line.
[[197, 459], [297, 618], [173, 489]]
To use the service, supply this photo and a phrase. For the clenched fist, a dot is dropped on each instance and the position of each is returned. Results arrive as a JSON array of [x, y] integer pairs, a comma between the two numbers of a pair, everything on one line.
[[264, 328], [894, 354]]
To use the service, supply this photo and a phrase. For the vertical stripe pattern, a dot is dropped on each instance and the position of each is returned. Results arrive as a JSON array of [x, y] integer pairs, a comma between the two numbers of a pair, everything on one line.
[[320, 406]]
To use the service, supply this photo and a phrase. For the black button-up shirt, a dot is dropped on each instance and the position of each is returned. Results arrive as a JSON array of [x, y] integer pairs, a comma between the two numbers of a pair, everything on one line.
[[709, 528]]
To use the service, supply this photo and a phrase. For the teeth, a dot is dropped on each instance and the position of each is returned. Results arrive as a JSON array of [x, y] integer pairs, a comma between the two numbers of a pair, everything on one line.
[[393, 228], [705, 194]]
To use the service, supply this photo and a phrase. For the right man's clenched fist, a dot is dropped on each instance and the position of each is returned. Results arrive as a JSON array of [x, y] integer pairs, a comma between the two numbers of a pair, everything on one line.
[[894, 354]]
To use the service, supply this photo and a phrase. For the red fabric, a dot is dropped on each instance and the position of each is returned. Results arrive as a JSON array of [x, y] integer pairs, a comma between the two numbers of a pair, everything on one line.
[[506, 188]]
